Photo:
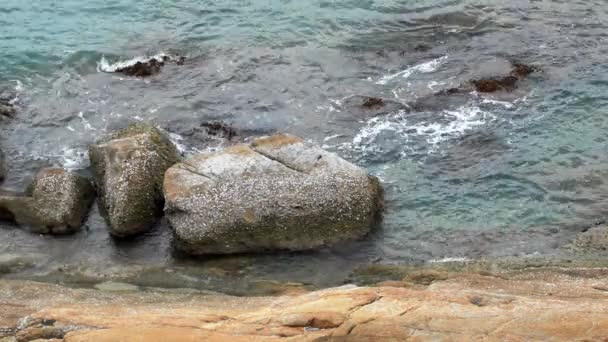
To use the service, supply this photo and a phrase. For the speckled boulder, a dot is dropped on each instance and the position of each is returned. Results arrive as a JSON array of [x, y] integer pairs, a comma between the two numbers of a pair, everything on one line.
[[129, 169], [279, 193], [57, 202]]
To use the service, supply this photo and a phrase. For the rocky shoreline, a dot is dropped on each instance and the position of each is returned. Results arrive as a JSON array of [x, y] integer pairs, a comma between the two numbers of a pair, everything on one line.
[[277, 193], [535, 304], [269, 194]]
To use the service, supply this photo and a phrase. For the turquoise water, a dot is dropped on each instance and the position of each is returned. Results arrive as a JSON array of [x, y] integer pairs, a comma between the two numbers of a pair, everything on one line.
[[468, 176]]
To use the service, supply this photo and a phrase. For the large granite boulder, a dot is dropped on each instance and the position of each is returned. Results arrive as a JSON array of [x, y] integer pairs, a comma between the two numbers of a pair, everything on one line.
[[279, 193], [129, 167], [57, 202]]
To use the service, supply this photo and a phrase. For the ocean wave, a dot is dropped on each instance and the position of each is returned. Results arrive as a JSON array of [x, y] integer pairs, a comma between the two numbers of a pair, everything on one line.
[[105, 66], [424, 68], [398, 129]]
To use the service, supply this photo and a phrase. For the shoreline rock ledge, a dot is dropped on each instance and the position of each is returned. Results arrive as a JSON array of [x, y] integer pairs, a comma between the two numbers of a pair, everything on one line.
[[278, 193], [128, 169]]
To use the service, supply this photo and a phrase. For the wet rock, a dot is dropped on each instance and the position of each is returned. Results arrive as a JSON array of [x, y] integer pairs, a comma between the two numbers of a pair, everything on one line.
[[7, 110], [373, 102], [7, 102], [357, 108], [442, 100], [142, 69], [422, 48], [217, 128], [523, 70], [506, 83], [279, 193], [491, 85], [57, 202], [129, 168], [149, 67], [15, 263], [594, 239]]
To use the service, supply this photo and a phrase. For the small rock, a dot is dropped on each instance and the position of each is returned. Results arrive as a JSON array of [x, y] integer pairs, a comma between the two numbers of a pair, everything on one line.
[[39, 332], [373, 102], [129, 169], [491, 85], [506, 83], [149, 67], [217, 128], [522, 70], [7, 110], [422, 48], [478, 301], [143, 69], [57, 202]]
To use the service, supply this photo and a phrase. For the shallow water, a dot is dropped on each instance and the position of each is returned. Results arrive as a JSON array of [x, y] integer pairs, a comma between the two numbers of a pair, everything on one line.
[[470, 176]]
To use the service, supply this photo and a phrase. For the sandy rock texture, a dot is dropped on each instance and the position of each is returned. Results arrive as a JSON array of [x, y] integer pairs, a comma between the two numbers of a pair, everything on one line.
[[549, 305]]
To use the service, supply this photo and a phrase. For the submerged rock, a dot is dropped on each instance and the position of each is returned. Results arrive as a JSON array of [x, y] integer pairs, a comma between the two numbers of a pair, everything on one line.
[[505, 83], [491, 85], [142, 69], [279, 193], [7, 110], [523, 70], [356, 108], [57, 202], [373, 102], [217, 128], [149, 67], [7, 100], [129, 169]]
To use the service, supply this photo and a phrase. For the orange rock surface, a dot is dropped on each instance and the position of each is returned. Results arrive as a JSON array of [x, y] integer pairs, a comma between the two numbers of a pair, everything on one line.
[[556, 305]]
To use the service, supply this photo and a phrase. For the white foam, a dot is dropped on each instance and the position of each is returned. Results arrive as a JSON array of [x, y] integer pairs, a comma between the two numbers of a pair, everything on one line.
[[505, 104], [331, 137], [449, 259], [87, 125], [18, 86], [397, 126], [104, 66], [186, 150], [178, 141], [74, 159], [425, 67], [434, 84]]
